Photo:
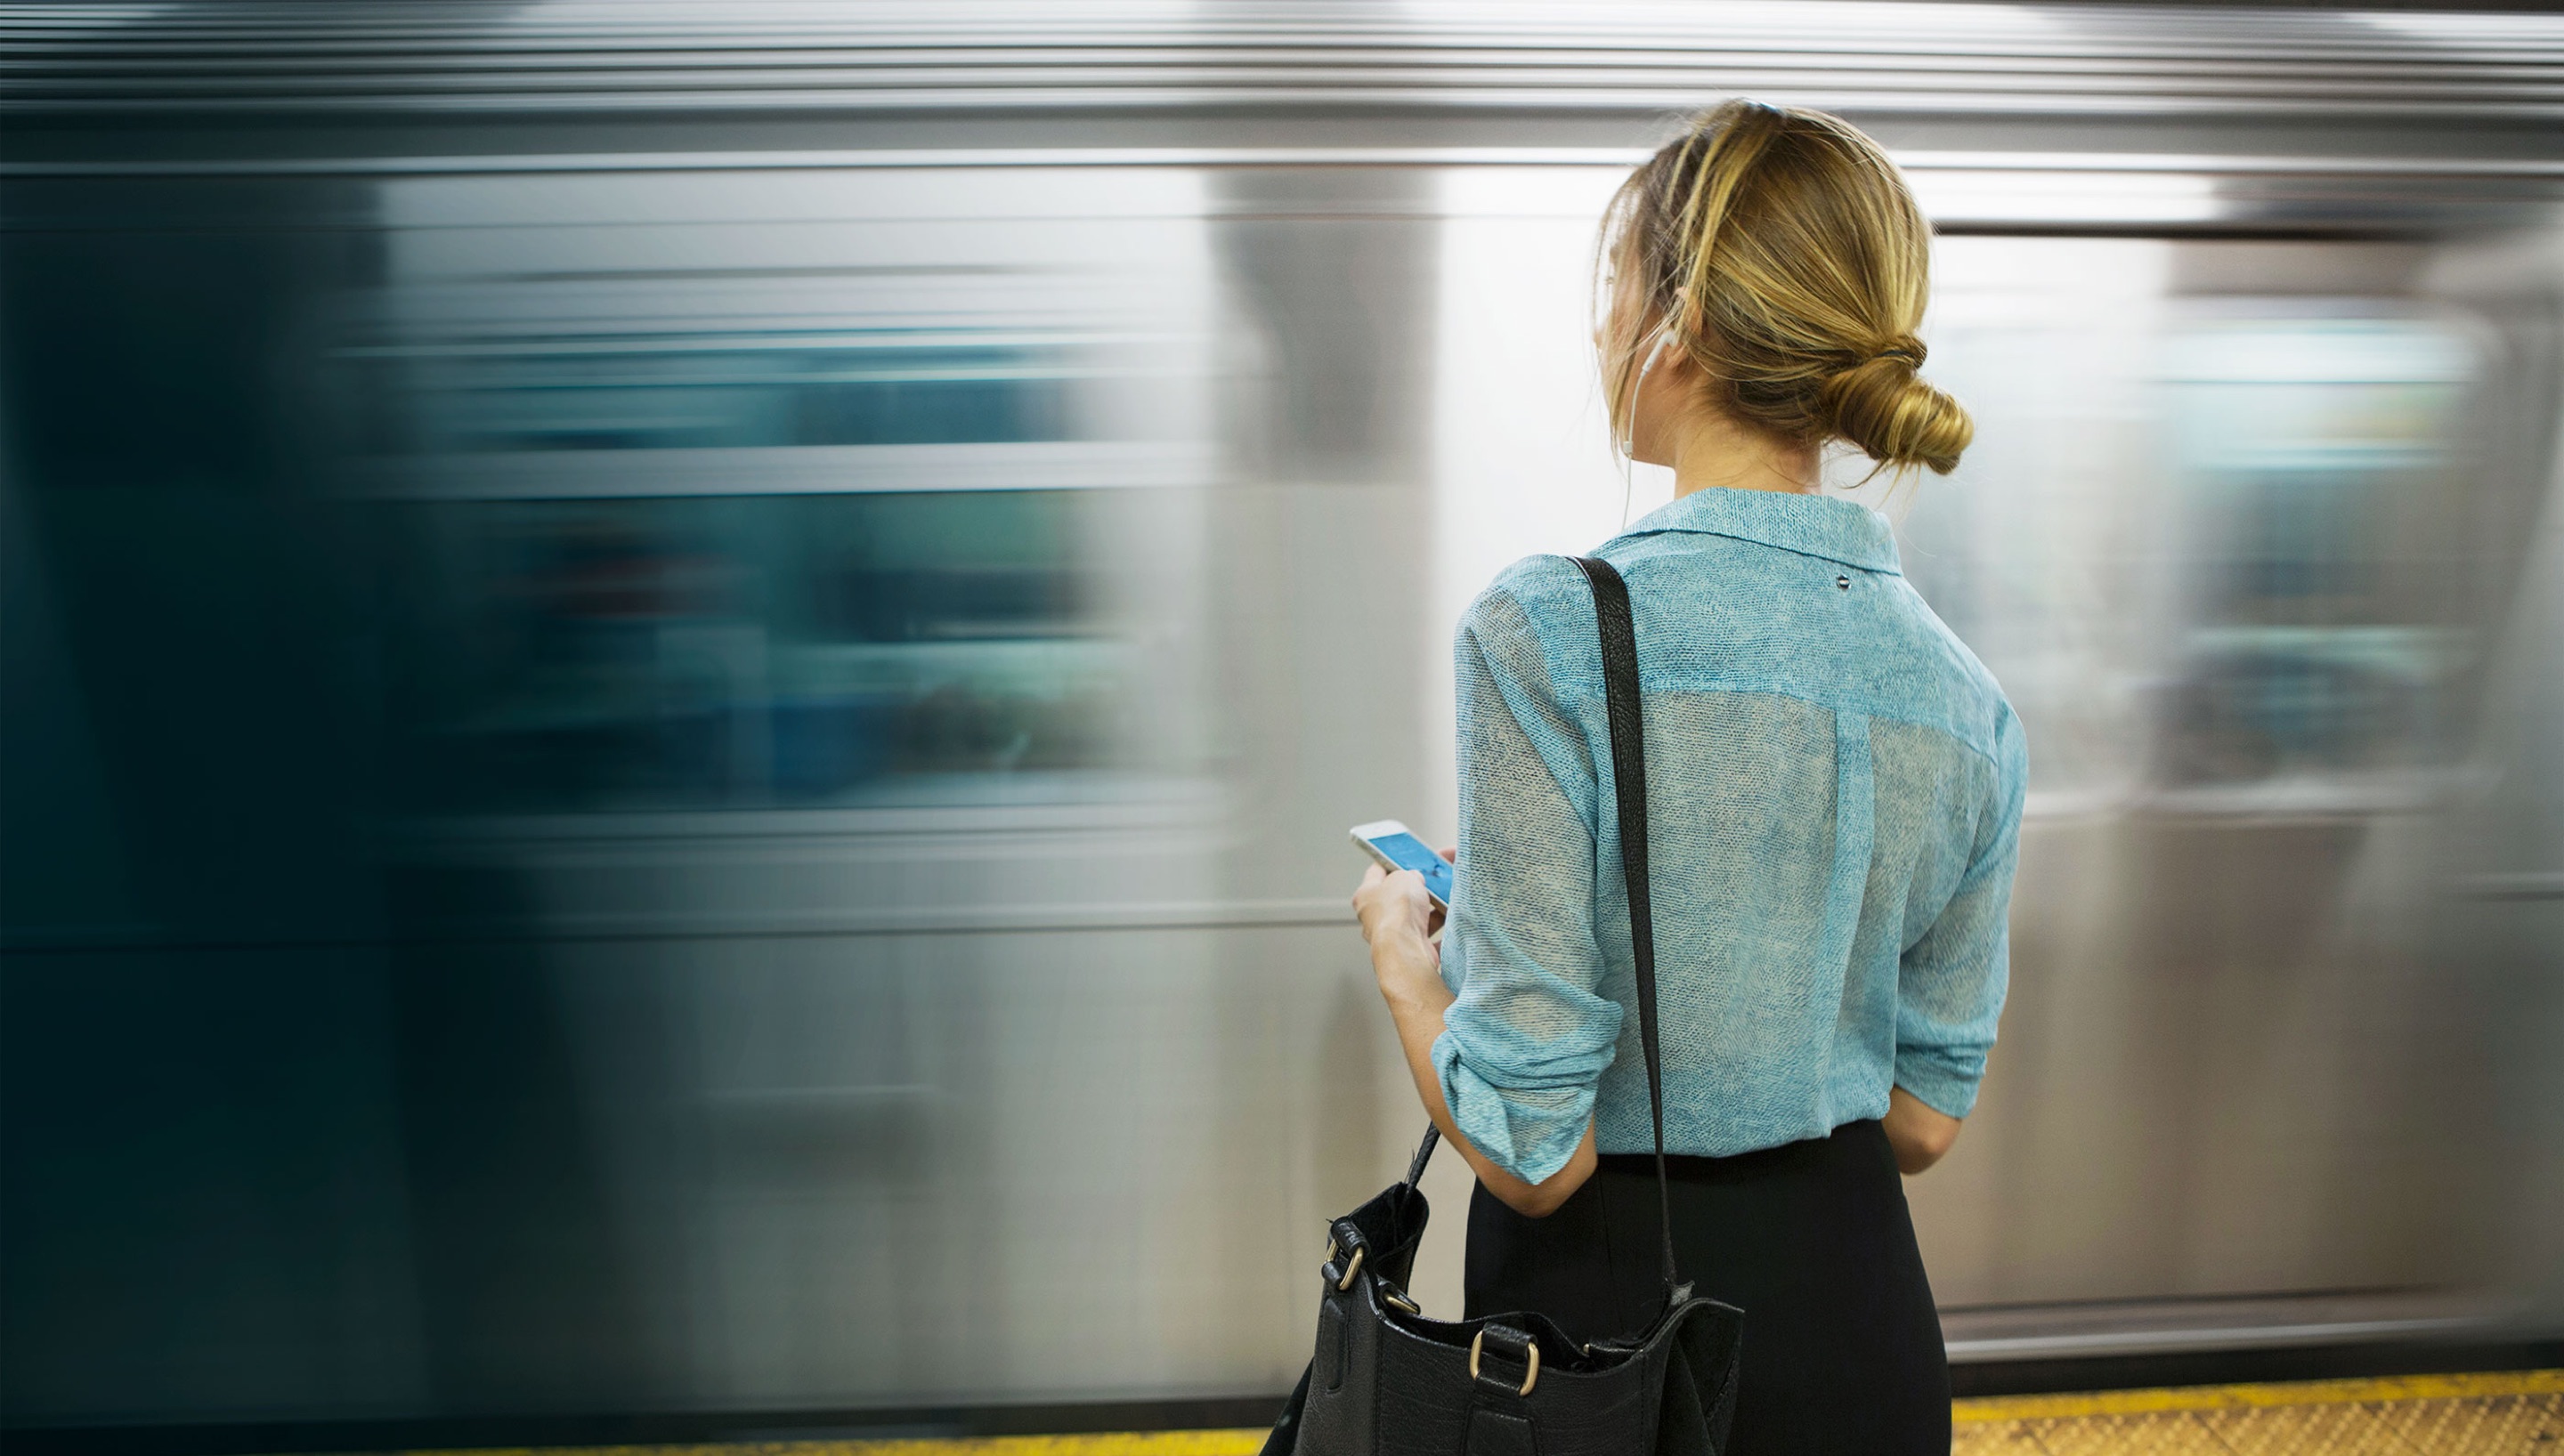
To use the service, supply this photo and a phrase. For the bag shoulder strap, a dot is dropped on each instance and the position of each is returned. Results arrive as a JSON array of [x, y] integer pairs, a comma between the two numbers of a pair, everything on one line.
[[1620, 640]]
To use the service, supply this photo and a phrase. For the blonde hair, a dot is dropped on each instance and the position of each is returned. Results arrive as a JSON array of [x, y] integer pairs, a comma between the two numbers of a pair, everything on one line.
[[1781, 250]]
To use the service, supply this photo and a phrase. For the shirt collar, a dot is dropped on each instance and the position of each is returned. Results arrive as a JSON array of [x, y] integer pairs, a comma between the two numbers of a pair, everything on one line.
[[1812, 525]]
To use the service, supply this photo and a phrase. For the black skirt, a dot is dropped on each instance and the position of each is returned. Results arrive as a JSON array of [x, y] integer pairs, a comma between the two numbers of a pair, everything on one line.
[[1812, 1240]]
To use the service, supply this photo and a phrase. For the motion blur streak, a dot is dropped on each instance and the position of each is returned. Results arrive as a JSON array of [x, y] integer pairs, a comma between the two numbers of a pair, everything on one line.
[[682, 683]]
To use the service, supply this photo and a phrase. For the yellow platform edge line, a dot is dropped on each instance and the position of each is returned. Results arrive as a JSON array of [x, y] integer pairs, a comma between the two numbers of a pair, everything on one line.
[[2241, 1397], [1969, 1412]]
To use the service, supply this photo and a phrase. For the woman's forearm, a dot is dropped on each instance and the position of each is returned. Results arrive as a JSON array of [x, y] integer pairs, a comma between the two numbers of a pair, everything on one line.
[[1412, 983]]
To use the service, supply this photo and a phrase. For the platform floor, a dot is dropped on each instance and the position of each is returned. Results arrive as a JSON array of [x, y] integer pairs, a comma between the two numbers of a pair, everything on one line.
[[2518, 1413]]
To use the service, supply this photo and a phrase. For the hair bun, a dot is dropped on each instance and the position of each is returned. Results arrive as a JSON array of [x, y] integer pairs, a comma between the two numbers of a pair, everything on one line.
[[1895, 416]]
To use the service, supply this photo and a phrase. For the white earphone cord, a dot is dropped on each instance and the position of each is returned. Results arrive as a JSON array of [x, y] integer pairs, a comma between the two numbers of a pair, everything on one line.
[[1629, 430]]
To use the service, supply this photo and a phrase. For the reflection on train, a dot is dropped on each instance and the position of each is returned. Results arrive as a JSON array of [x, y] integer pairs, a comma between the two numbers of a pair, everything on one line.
[[683, 747]]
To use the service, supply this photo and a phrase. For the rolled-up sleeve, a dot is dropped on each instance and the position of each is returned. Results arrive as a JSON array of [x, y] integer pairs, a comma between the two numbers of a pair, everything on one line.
[[1951, 983], [1527, 1040]]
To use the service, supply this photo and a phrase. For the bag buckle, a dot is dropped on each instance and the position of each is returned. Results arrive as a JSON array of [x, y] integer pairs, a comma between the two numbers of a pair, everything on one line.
[[1530, 1354], [1351, 1269]]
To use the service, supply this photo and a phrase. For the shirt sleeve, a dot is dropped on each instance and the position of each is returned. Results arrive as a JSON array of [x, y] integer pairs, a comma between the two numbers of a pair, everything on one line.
[[1529, 1036], [1950, 986]]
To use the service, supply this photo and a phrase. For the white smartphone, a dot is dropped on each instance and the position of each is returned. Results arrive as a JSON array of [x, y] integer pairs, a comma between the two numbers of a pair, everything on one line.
[[1396, 847]]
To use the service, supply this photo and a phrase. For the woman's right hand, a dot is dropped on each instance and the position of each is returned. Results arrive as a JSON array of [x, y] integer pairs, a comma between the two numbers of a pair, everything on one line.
[[1387, 903], [1395, 907]]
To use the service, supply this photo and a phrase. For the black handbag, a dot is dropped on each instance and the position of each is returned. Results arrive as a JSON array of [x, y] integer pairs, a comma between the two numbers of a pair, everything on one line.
[[1388, 1382]]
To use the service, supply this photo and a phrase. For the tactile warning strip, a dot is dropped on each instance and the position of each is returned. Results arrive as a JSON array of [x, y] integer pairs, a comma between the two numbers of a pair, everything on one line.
[[2514, 1414], [2519, 1413]]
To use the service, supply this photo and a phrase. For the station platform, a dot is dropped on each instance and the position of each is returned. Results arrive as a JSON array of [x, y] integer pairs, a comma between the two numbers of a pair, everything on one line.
[[2515, 1413]]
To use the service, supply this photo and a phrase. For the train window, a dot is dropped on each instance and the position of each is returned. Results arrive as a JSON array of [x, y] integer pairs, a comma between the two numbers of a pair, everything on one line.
[[757, 651], [839, 489], [2324, 522]]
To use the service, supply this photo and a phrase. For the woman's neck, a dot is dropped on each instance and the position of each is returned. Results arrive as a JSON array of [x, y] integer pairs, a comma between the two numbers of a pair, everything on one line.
[[1716, 452]]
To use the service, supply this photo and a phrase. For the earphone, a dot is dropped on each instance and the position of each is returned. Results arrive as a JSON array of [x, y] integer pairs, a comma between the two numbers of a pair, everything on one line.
[[1630, 414]]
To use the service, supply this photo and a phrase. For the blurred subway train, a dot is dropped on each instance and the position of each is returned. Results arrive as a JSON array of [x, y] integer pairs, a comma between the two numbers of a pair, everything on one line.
[[679, 685]]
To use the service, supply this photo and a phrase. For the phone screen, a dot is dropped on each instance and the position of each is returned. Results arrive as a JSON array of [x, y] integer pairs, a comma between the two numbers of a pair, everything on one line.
[[1411, 852]]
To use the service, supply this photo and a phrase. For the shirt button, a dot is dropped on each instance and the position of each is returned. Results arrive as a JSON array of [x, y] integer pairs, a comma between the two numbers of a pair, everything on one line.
[[1844, 581]]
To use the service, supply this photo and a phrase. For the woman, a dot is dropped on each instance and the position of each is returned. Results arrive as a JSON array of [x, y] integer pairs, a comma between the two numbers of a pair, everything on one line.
[[1835, 788]]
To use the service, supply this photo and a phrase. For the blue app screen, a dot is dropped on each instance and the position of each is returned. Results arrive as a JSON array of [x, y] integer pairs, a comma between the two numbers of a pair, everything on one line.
[[1411, 852]]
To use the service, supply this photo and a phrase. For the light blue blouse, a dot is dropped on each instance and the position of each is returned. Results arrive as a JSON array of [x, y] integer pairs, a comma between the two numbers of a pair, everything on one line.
[[1834, 787]]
